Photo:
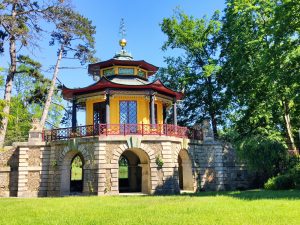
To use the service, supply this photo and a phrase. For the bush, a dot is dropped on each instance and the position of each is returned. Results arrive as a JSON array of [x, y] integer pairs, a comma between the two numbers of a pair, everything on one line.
[[296, 175], [264, 156], [281, 182], [291, 179]]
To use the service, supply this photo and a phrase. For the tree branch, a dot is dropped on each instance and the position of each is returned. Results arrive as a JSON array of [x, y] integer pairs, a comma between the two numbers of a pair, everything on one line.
[[34, 11]]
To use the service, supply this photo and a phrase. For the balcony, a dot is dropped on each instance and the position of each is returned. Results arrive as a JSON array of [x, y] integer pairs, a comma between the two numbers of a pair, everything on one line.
[[122, 129]]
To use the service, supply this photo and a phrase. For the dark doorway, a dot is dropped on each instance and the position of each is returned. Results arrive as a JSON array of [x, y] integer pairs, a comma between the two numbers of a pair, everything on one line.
[[76, 175], [180, 173], [99, 110], [130, 173]]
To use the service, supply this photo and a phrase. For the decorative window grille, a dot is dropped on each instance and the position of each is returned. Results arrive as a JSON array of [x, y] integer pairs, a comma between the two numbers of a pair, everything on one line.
[[141, 73], [108, 72], [126, 71], [128, 115]]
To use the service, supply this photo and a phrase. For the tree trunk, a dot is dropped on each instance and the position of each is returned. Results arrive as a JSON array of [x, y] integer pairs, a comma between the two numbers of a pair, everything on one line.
[[214, 124], [211, 109], [288, 126], [51, 90], [9, 82]]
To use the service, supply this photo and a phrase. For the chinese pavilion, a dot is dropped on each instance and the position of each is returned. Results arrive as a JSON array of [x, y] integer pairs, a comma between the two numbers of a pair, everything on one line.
[[125, 146], [123, 100]]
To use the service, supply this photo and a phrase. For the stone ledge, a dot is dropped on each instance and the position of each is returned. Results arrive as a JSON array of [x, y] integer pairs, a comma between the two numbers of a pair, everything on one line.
[[5, 169]]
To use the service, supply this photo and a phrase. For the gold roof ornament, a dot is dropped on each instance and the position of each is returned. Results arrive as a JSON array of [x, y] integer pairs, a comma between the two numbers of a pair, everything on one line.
[[123, 42], [122, 32], [123, 54]]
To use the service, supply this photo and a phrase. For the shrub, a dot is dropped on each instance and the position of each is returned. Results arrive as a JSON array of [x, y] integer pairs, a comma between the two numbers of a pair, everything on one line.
[[281, 182], [295, 172], [291, 179], [264, 156]]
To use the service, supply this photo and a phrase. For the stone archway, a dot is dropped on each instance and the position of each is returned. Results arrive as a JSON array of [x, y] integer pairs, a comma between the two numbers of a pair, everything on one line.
[[65, 185], [139, 173], [185, 171]]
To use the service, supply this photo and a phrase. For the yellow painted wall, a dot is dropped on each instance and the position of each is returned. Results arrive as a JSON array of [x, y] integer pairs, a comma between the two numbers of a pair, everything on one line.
[[89, 109], [142, 109]]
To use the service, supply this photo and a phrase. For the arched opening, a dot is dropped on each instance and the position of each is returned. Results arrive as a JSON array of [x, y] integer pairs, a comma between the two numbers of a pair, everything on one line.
[[134, 171], [185, 172], [76, 178], [72, 173]]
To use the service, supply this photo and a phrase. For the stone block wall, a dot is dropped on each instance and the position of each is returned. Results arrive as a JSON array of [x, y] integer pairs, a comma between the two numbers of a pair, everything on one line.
[[36, 169], [236, 174], [33, 169], [61, 154], [9, 162]]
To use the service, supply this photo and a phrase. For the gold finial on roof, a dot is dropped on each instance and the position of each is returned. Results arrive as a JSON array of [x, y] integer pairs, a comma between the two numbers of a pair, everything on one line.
[[123, 42], [122, 33]]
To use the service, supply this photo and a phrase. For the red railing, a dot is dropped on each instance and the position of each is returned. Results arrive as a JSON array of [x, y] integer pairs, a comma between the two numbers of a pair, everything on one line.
[[121, 129]]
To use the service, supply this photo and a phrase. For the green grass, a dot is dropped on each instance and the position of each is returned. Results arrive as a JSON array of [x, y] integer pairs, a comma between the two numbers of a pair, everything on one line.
[[76, 173], [123, 172], [241, 208]]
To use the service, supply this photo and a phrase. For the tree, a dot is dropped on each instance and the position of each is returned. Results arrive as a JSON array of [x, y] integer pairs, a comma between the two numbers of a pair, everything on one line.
[[198, 70], [74, 35], [261, 56], [20, 24], [28, 98]]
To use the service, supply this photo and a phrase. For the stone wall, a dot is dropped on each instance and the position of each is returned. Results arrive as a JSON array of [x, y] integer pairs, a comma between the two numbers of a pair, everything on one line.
[[33, 169], [218, 166], [36, 169], [61, 154], [236, 174], [9, 161]]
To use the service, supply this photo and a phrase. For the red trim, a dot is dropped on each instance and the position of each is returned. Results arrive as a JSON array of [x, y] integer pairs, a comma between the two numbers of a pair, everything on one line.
[[116, 129], [104, 83], [111, 62]]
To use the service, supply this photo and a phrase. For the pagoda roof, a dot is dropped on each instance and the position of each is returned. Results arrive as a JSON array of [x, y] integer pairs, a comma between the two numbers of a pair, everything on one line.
[[105, 83], [95, 67]]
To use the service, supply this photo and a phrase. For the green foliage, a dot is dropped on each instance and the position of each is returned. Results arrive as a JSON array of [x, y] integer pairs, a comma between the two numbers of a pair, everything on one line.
[[295, 172], [19, 123], [197, 70], [159, 161], [32, 88], [123, 172], [74, 32], [280, 182], [76, 168], [261, 61], [290, 179], [264, 156]]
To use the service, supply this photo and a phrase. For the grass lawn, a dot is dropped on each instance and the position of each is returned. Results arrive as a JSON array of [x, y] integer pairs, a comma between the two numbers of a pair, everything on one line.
[[249, 207], [123, 172], [76, 173]]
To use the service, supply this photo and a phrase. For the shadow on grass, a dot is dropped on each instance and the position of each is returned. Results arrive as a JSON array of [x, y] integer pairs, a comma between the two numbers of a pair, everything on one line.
[[252, 194]]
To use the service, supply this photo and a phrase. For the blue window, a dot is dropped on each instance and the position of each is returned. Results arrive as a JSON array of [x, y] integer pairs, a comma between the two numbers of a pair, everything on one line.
[[128, 115]]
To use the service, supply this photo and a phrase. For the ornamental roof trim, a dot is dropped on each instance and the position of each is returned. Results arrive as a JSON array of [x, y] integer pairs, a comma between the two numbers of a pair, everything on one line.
[[94, 68], [105, 83]]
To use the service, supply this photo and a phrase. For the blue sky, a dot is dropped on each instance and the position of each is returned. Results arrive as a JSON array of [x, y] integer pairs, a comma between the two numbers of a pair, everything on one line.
[[144, 36]]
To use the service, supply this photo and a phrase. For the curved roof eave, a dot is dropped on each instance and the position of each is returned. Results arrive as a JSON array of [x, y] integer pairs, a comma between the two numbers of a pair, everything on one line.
[[111, 62], [157, 85]]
